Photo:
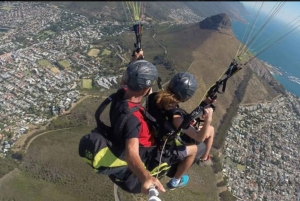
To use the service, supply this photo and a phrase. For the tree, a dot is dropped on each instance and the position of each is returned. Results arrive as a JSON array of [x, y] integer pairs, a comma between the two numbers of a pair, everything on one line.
[[226, 196], [18, 155]]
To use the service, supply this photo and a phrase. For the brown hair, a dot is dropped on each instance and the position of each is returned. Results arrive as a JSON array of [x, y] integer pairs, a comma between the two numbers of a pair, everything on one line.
[[165, 98]]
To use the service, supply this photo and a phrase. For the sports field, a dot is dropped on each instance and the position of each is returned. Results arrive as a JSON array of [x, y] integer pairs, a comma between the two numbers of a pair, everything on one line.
[[55, 70], [240, 167], [44, 63], [106, 52], [93, 52], [64, 64], [86, 83]]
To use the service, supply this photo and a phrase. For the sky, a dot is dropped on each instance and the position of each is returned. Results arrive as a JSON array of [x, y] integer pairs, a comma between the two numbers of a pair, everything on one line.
[[287, 13]]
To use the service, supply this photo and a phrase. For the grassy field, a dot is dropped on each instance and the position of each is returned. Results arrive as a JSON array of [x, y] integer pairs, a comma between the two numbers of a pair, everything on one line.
[[45, 34], [7, 8], [240, 167], [93, 52], [55, 70], [44, 63], [87, 83], [19, 186], [64, 64], [106, 52]]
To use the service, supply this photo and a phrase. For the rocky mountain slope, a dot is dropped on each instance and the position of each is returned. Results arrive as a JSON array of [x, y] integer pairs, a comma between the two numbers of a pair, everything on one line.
[[216, 22]]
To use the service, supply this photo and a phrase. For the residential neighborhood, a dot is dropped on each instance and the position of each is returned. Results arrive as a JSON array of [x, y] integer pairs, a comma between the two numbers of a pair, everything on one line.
[[262, 151], [185, 16], [41, 70]]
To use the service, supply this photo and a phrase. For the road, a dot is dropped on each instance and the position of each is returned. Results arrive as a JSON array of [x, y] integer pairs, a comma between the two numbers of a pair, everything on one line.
[[31, 140], [166, 51], [20, 143]]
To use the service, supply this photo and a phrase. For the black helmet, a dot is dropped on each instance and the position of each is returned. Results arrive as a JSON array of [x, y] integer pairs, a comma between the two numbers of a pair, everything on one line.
[[183, 86], [140, 74]]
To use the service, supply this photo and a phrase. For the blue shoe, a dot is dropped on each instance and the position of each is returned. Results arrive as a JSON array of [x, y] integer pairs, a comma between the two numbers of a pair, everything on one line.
[[183, 182]]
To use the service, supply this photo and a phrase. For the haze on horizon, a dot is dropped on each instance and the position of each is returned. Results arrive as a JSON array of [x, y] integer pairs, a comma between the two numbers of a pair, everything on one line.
[[287, 13]]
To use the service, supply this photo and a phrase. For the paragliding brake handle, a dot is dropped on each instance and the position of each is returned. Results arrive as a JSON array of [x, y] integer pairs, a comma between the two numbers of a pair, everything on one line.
[[203, 105], [137, 46], [137, 28]]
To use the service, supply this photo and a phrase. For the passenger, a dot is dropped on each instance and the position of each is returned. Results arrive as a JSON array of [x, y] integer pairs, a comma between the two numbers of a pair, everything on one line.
[[163, 105]]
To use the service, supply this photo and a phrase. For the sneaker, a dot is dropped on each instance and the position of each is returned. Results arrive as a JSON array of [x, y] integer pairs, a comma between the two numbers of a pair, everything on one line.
[[206, 162], [183, 182]]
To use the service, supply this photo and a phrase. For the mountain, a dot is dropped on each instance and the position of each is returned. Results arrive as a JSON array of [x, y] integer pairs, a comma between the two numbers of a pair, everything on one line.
[[216, 22], [206, 9], [156, 11]]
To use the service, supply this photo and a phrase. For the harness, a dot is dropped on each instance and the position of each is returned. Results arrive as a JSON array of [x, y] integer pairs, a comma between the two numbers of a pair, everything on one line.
[[164, 120]]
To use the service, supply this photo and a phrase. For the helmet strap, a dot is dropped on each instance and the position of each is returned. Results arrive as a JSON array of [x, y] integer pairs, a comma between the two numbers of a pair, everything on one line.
[[148, 92]]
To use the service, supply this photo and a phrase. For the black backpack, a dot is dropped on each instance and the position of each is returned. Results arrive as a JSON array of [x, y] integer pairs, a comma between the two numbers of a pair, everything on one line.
[[96, 148]]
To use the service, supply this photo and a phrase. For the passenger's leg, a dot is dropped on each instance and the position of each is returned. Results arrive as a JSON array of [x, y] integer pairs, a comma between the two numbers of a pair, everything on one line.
[[209, 142], [193, 151], [185, 164], [201, 148]]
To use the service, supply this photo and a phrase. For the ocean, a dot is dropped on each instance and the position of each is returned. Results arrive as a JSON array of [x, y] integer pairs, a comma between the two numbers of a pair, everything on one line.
[[284, 55]]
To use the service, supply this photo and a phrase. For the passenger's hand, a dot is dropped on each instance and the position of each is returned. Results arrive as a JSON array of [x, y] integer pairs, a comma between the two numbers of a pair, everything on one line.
[[152, 181], [208, 115], [137, 56], [192, 123], [208, 100]]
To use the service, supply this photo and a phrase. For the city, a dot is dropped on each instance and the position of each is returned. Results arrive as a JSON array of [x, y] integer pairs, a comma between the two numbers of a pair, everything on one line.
[[262, 151]]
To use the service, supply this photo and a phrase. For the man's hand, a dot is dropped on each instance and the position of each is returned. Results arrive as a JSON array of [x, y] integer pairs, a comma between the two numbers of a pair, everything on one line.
[[151, 181], [136, 56]]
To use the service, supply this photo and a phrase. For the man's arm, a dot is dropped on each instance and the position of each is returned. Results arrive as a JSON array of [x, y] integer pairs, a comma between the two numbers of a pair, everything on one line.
[[134, 161], [136, 165]]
